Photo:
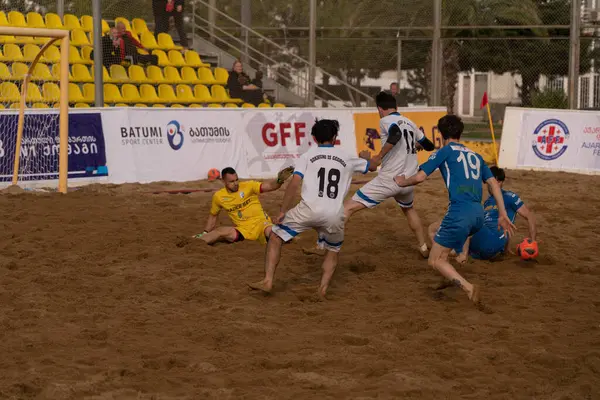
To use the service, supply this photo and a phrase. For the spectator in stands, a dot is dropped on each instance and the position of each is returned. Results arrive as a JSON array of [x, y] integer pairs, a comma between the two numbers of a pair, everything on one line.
[[400, 100], [128, 47], [163, 11], [111, 48], [241, 87]]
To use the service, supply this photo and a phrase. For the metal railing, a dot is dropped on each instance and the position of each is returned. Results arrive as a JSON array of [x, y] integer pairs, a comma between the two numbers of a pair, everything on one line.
[[296, 77]]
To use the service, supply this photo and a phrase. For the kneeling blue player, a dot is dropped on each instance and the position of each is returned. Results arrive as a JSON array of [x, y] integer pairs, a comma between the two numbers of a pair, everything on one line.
[[464, 172]]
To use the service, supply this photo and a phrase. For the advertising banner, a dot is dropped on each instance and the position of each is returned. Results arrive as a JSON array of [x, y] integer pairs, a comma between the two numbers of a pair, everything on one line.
[[367, 129], [39, 153], [148, 145], [556, 140], [275, 138]]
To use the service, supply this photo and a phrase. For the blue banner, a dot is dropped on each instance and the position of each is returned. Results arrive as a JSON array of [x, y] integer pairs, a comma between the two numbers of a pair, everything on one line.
[[40, 146]]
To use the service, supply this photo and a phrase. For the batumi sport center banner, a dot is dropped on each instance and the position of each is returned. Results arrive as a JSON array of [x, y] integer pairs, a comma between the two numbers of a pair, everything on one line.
[[39, 155], [148, 145], [275, 138]]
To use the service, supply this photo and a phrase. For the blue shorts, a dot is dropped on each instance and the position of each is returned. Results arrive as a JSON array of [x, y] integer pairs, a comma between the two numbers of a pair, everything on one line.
[[487, 244], [461, 221]]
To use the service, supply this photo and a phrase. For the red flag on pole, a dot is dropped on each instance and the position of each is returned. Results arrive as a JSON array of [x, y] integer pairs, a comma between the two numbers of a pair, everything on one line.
[[484, 100]]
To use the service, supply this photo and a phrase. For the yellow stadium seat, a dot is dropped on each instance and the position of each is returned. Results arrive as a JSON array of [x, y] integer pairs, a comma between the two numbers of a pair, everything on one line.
[[11, 52], [185, 94], [2, 107], [33, 93], [7, 39], [51, 92], [155, 74], [89, 93], [172, 75], [219, 93], [231, 105], [81, 74], [137, 74], [264, 105], [140, 105], [79, 38], [71, 22], [19, 70], [56, 72], [9, 92], [41, 72], [121, 105], [163, 60], [188, 75], [15, 105], [148, 94], [105, 75], [118, 74], [215, 105], [52, 54], [193, 59], [75, 95], [221, 76], [167, 94], [177, 106], [278, 105], [112, 94], [82, 105], [195, 105], [40, 105], [53, 21], [176, 58], [3, 19], [5, 74], [75, 57], [35, 20], [248, 105], [206, 76], [165, 41], [87, 23], [202, 94], [148, 40], [86, 54], [31, 51], [158, 105], [15, 18], [130, 93], [139, 26]]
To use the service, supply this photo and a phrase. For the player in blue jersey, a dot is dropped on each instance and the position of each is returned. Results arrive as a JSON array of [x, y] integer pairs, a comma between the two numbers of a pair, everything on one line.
[[464, 172], [489, 242]]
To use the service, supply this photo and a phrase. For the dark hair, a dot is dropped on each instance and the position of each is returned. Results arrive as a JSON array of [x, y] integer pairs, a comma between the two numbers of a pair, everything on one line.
[[451, 127], [325, 130], [385, 101], [498, 173], [227, 171]]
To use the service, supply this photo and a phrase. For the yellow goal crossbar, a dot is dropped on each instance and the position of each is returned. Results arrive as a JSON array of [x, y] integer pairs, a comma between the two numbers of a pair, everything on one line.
[[54, 35]]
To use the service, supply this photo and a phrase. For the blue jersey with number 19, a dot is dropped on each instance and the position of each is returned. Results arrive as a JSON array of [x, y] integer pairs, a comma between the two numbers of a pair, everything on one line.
[[463, 170]]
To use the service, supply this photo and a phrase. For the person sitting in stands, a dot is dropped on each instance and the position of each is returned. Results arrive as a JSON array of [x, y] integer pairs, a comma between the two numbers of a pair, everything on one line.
[[240, 86]]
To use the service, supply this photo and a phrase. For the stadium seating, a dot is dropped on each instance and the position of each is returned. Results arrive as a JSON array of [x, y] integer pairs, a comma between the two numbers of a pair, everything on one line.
[[181, 78]]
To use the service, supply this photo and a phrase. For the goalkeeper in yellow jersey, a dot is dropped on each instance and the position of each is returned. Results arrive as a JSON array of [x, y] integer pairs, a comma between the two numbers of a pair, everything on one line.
[[240, 200]]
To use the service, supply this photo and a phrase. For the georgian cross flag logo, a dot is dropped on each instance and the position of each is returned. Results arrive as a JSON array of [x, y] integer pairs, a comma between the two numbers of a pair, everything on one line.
[[550, 139]]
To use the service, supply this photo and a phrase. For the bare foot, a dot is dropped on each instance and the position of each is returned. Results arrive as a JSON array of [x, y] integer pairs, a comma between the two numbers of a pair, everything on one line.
[[314, 251], [322, 293], [462, 258], [424, 251], [475, 295], [262, 286]]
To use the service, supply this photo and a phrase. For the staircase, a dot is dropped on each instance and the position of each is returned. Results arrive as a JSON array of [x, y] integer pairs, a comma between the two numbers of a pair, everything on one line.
[[287, 81]]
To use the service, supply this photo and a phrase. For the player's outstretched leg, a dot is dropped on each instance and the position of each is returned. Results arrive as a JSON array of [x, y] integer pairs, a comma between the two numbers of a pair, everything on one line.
[[414, 221], [271, 261], [329, 264], [438, 259], [351, 206], [432, 230], [221, 234]]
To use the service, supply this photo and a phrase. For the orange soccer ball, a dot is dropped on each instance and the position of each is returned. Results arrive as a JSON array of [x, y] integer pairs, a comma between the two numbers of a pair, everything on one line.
[[527, 249], [213, 174]]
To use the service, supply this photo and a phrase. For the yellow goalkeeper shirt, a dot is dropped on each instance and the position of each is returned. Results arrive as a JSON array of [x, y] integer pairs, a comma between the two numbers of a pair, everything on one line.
[[243, 206]]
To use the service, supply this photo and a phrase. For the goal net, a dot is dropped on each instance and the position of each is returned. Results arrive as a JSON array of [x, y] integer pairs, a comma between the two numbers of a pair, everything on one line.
[[33, 110]]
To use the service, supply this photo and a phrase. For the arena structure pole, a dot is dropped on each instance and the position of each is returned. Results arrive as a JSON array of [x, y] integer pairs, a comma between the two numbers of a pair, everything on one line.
[[436, 55], [399, 61], [211, 19], [246, 21], [574, 53], [60, 8], [98, 72], [312, 50]]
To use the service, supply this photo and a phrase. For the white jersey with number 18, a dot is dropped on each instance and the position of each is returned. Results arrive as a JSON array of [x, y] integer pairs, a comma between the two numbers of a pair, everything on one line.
[[326, 173]]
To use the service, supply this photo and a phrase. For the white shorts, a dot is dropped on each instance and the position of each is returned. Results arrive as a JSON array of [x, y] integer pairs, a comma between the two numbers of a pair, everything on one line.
[[381, 188], [300, 218]]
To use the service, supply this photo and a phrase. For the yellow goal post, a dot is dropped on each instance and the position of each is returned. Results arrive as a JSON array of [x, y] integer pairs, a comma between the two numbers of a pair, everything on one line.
[[54, 35]]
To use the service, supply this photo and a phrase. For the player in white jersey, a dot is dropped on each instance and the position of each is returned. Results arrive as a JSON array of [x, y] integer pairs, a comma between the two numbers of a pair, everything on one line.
[[325, 173], [398, 155]]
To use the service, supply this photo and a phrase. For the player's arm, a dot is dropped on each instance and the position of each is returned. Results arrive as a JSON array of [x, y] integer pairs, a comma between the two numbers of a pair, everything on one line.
[[275, 184], [372, 163], [394, 136], [215, 209], [288, 197], [526, 213], [211, 222], [426, 169], [503, 220]]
